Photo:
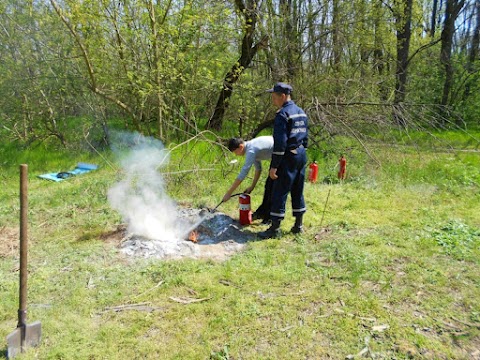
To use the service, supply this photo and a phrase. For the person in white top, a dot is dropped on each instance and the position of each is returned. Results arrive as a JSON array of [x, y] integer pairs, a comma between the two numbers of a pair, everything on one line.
[[255, 151]]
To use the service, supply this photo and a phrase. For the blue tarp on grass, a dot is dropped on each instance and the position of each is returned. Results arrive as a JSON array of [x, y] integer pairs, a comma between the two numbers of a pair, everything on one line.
[[81, 168]]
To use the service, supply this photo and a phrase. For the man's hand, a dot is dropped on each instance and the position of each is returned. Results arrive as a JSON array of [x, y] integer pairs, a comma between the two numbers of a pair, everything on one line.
[[226, 197], [248, 190], [273, 174]]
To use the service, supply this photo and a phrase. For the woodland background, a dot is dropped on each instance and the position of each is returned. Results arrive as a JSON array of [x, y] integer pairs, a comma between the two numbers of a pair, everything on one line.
[[388, 265], [172, 68]]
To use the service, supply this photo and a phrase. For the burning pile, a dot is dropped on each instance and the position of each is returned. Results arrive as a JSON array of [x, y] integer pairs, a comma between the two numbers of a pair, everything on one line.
[[217, 236], [156, 227]]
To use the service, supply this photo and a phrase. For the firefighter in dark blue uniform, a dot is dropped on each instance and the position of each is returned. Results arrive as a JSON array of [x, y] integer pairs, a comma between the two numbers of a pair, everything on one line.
[[289, 158]]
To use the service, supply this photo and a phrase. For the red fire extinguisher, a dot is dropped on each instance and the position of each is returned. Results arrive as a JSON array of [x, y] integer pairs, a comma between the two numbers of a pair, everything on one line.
[[244, 207], [342, 168], [313, 172]]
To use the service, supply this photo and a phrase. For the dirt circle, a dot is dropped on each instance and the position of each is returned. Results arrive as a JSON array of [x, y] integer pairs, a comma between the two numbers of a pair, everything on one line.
[[218, 237]]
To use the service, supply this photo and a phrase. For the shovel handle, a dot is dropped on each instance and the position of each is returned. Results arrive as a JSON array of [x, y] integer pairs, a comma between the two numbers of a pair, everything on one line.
[[22, 311]]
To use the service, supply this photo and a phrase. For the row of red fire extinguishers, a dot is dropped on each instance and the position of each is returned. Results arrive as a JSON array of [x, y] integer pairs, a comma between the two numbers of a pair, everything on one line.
[[245, 217]]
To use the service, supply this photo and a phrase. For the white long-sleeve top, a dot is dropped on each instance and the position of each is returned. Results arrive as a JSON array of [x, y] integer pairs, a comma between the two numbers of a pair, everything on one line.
[[256, 150]]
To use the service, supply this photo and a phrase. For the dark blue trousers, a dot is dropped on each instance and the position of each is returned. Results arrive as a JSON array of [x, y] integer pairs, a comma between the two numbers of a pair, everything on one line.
[[263, 210], [291, 179]]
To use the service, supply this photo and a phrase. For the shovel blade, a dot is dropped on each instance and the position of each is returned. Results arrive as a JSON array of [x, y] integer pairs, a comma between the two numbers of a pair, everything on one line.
[[32, 335]]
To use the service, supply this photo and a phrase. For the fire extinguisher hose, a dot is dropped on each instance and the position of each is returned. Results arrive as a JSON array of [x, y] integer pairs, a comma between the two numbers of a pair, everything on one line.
[[221, 202]]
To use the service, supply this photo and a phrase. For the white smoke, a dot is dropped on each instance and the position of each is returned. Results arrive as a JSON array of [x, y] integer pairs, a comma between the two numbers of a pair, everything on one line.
[[140, 197]]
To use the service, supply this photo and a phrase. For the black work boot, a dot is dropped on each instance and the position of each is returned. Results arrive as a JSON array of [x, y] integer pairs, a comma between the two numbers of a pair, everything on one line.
[[260, 216], [298, 227], [272, 232]]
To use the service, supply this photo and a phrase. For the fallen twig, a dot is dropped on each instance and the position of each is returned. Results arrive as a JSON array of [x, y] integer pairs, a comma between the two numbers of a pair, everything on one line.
[[360, 354], [286, 328], [325, 315], [138, 307], [126, 305], [366, 318], [160, 283], [227, 283], [186, 300]]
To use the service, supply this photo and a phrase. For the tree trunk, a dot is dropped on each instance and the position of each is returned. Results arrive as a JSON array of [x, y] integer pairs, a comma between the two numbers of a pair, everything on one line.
[[289, 37], [312, 54], [248, 52], [433, 23], [403, 20], [473, 54], [378, 56], [337, 44], [451, 14], [156, 62], [361, 14]]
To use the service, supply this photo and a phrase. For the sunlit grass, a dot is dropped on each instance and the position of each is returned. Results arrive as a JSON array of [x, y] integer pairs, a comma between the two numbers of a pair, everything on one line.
[[395, 245]]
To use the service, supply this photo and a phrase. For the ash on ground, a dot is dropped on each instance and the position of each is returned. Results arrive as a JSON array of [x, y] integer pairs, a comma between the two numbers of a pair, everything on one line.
[[218, 237]]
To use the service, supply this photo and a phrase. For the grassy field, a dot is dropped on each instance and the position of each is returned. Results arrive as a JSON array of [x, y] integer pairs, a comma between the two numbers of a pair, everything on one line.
[[392, 272]]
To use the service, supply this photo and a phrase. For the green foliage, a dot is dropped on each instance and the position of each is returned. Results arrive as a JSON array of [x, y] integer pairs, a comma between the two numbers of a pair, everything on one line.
[[162, 77], [248, 106], [457, 239]]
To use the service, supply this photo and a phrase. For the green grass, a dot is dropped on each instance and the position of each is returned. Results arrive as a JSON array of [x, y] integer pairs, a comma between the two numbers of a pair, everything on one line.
[[402, 249]]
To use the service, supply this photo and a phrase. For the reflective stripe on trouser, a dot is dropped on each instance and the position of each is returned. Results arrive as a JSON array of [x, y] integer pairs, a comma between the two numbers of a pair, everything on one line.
[[291, 179]]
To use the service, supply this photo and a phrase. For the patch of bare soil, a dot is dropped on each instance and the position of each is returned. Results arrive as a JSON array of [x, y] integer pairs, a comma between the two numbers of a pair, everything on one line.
[[9, 241], [323, 233], [115, 236]]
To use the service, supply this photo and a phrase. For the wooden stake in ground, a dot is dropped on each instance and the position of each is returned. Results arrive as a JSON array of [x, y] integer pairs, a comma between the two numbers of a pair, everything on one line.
[[25, 335], [325, 208]]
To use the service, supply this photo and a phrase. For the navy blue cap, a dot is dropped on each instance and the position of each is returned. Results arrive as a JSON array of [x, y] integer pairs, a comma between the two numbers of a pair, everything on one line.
[[281, 88]]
